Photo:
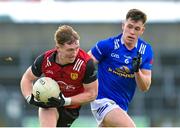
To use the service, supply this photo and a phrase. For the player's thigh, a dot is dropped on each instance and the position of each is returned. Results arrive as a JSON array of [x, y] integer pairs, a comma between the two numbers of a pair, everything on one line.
[[48, 117], [117, 117]]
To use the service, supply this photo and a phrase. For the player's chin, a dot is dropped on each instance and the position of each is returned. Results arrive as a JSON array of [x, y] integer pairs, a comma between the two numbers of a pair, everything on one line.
[[71, 60], [131, 41]]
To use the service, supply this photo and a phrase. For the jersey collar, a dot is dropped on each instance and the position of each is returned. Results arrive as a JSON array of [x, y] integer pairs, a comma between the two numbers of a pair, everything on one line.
[[52, 58], [122, 41]]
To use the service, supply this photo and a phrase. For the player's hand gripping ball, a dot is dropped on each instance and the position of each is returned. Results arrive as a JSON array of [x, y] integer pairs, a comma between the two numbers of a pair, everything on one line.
[[44, 88]]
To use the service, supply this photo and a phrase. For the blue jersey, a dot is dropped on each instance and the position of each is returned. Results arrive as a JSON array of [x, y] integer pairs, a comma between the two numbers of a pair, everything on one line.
[[115, 74]]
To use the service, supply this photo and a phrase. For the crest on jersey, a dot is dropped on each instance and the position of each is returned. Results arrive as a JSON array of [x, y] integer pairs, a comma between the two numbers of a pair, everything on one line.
[[74, 76]]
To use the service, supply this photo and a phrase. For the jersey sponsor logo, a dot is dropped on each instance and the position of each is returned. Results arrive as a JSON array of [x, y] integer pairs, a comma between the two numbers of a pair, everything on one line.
[[126, 61], [49, 72], [65, 86], [142, 48], [74, 76], [78, 65], [123, 71], [114, 55], [128, 57], [101, 109]]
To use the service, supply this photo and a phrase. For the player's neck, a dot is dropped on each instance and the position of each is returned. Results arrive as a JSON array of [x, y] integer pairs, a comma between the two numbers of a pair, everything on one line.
[[129, 46], [60, 60]]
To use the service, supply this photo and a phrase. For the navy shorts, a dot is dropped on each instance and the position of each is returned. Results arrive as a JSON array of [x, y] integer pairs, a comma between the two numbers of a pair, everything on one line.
[[67, 116]]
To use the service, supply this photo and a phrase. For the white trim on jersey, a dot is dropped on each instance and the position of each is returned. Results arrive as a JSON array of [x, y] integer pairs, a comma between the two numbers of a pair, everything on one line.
[[48, 62], [116, 43], [98, 49], [78, 65], [142, 48]]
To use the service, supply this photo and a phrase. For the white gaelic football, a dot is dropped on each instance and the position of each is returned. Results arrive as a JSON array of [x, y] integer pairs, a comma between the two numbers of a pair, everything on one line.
[[44, 88]]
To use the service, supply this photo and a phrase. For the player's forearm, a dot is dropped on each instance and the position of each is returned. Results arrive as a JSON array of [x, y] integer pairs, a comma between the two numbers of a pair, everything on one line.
[[143, 81], [83, 98], [89, 94]]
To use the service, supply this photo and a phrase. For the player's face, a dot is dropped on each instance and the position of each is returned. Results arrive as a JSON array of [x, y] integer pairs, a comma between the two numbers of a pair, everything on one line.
[[67, 53], [131, 31]]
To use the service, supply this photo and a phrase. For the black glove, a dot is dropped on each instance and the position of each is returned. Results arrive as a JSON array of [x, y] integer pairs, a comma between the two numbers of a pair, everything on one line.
[[57, 102], [136, 61], [31, 100]]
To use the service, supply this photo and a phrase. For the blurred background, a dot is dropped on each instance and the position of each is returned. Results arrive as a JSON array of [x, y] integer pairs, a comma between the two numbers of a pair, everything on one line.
[[27, 29]]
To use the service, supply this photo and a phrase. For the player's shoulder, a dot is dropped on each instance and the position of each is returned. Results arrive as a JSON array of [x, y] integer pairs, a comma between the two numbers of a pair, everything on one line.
[[83, 55], [144, 46], [111, 39], [110, 43], [50, 51], [143, 42], [46, 54]]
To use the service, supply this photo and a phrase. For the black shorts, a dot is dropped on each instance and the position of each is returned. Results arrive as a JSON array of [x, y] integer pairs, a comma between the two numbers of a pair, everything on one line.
[[67, 116]]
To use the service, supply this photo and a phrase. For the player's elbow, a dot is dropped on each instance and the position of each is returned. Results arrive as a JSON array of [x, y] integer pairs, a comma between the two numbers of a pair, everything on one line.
[[93, 95], [146, 87], [92, 91]]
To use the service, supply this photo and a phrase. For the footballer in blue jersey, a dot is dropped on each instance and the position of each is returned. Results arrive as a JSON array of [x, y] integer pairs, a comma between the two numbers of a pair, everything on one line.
[[124, 62]]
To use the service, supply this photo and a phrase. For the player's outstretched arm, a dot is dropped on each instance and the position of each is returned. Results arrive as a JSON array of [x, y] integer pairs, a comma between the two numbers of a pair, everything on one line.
[[27, 82]]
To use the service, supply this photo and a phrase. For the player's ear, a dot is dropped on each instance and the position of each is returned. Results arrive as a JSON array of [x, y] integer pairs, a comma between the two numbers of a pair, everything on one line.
[[56, 45], [142, 30]]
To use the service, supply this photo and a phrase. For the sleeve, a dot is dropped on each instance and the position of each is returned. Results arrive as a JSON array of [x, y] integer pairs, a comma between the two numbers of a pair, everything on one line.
[[36, 66], [101, 49], [90, 73], [148, 60]]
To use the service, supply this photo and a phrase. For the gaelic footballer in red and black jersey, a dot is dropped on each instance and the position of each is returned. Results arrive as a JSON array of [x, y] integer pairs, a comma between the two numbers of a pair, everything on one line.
[[70, 77]]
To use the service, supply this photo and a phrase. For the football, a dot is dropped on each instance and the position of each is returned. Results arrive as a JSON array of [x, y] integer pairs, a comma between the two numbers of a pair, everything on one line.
[[44, 88]]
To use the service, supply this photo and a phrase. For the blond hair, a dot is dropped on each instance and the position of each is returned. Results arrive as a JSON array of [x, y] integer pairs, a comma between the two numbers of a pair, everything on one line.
[[65, 34]]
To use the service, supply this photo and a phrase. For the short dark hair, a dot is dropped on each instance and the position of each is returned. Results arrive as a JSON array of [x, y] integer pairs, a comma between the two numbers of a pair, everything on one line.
[[136, 15], [65, 34]]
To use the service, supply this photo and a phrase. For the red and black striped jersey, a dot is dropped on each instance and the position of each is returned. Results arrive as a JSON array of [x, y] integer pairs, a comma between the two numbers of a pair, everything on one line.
[[70, 77]]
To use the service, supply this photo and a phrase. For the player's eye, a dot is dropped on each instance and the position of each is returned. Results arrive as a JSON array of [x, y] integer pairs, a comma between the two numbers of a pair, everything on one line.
[[137, 28], [130, 26]]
